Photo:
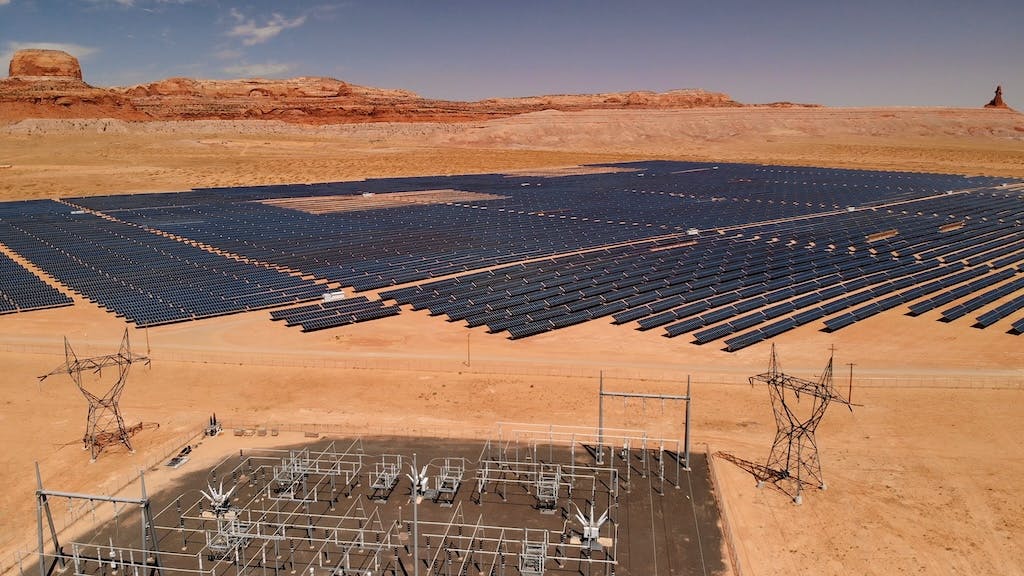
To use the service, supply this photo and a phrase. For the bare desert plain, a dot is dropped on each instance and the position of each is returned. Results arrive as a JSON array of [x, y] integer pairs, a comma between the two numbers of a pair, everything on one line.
[[924, 475]]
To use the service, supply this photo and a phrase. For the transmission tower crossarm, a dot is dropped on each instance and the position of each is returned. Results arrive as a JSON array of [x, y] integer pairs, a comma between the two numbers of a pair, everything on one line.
[[55, 371]]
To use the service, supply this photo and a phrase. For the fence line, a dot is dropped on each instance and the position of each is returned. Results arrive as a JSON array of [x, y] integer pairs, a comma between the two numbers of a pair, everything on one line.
[[724, 514], [317, 429], [665, 373]]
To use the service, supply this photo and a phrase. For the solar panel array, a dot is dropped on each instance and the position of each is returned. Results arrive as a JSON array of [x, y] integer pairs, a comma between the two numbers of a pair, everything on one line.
[[312, 317], [147, 278], [536, 217], [756, 283], [725, 253], [21, 290]]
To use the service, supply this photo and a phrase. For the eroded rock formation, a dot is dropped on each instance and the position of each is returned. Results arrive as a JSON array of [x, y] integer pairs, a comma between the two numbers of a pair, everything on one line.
[[48, 83], [45, 64], [997, 101]]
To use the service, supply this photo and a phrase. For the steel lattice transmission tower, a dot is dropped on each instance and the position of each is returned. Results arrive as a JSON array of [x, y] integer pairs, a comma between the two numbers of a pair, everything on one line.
[[794, 457], [104, 424]]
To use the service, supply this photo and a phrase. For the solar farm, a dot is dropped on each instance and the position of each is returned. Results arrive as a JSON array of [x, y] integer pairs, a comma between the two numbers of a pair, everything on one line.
[[724, 255], [715, 260]]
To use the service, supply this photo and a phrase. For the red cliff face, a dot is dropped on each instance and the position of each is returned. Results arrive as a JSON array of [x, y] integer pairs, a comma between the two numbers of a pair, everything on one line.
[[48, 83]]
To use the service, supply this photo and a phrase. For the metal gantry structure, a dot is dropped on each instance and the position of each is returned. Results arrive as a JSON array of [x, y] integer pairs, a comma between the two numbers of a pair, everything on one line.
[[143, 558], [104, 424], [644, 396], [793, 462]]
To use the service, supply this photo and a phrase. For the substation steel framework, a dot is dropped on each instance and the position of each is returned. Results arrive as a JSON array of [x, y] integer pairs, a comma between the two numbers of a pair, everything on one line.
[[602, 394], [148, 563], [284, 521]]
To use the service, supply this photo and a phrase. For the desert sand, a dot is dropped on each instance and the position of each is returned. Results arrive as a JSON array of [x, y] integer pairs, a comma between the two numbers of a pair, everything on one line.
[[924, 474], [52, 158]]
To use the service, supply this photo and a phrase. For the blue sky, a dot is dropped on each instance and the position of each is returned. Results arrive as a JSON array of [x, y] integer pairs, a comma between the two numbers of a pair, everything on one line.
[[860, 53]]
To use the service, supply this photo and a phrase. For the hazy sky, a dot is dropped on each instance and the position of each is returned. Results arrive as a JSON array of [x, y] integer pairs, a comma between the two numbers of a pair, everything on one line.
[[839, 53]]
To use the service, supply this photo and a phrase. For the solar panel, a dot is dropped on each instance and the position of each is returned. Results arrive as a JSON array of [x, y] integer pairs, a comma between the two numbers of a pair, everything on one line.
[[1018, 326], [744, 340], [992, 316]]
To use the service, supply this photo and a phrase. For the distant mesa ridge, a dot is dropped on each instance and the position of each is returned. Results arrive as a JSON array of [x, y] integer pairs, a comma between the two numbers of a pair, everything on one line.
[[49, 84]]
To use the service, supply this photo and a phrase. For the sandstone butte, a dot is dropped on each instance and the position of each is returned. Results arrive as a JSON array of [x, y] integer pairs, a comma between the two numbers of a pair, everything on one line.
[[49, 84]]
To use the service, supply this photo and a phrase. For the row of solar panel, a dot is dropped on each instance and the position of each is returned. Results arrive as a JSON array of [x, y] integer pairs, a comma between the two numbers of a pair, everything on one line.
[[726, 286], [790, 185], [999, 312], [708, 260], [520, 290], [277, 235], [301, 314], [870, 310], [347, 248], [958, 292], [348, 318], [958, 217], [824, 282], [861, 313], [918, 290], [603, 291], [286, 313], [914, 273], [336, 313], [983, 299], [1018, 326]]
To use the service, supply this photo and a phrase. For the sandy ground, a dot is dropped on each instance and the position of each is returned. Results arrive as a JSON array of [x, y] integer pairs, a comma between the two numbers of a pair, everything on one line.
[[924, 476]]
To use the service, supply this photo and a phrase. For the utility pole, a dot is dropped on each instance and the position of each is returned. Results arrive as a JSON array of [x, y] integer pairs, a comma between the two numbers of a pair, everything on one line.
[[849, 393], [415, 522], [600, 419]]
